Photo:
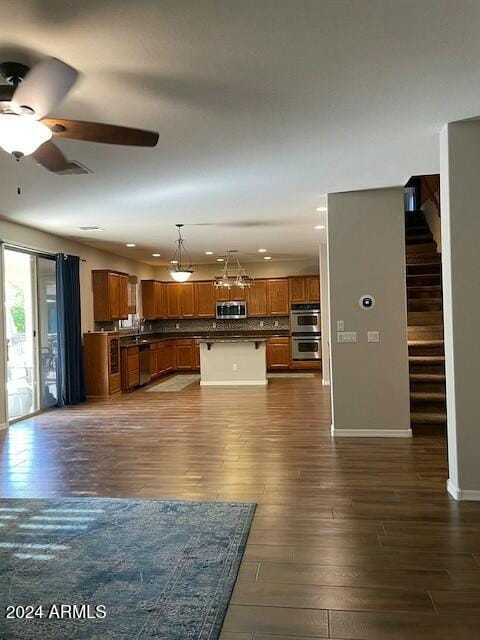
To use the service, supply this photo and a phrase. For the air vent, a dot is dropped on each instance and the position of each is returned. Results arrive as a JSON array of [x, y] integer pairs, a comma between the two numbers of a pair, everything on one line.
[[90, 228], [74, 168]]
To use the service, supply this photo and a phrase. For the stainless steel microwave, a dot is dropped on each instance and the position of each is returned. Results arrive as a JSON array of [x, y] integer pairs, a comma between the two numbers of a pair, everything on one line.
[[233, 310]]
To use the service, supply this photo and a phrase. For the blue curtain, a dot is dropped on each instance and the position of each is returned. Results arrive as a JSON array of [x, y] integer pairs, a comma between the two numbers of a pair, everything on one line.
[[70, 372]]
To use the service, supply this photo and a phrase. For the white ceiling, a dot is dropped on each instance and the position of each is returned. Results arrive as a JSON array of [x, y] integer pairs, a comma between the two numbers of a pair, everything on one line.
[[263, 106]]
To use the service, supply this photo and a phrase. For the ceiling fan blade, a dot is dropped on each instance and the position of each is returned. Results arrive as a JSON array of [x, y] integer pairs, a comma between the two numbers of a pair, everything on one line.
[[44, 87], [49, 156], [97, 132]]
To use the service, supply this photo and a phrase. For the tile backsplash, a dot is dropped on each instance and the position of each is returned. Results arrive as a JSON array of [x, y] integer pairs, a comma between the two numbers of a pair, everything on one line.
[[203, 324]]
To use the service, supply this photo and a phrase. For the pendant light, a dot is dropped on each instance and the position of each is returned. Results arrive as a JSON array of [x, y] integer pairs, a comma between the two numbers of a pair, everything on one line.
[[180, 272], [234, 275], [22, 135]]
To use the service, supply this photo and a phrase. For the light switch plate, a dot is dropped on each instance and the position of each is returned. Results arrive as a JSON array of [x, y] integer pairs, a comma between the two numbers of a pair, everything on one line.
[[340, 325], [373, 336], [346, 336]]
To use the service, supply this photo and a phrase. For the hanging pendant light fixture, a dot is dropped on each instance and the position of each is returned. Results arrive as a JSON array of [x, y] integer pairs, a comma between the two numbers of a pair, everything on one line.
[[234, 275], [180, 271]]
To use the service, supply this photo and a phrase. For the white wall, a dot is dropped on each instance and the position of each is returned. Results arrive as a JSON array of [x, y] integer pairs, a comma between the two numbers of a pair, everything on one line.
[[94, 259], [366, 254], [459, 180]]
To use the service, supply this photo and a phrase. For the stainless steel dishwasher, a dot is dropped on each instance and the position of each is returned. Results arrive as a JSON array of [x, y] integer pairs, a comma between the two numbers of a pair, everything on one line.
[[144, 363]]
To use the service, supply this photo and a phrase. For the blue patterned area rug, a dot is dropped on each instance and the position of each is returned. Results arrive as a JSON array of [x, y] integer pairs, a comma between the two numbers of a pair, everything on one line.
[[96, 569]]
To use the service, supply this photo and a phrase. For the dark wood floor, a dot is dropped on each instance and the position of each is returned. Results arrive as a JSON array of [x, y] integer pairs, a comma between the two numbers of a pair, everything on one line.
[[352, 539]]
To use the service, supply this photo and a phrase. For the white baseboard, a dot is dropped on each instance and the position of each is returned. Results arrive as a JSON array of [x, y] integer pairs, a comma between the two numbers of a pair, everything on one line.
[[233, 383], [371, 433], [462, 494]]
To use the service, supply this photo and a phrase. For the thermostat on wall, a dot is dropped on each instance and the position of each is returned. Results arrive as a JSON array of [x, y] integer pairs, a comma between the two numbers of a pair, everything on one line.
[[366, 302]]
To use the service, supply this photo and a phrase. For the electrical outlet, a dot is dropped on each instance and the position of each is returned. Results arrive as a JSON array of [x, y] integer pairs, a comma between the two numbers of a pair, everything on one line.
[[340, 325], [177, 325], [373, 336], [261, 323], [276, 323], [346, 336], [214, 325]]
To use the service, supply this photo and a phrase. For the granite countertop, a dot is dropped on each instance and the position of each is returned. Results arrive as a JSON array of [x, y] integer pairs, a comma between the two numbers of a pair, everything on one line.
[[265, 334], [233, 339]]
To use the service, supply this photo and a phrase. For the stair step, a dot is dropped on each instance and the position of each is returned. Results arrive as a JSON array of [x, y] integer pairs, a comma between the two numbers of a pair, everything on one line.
[[422, 259], [419, 318], [427, 342], [424, 279], [422, 382], [428, 417], [425, 304], [427, 396], [426, 364], [424, 291], [422, 248], [424, 268], [427, 377], [426, 359], [418, 238], [425, 332]]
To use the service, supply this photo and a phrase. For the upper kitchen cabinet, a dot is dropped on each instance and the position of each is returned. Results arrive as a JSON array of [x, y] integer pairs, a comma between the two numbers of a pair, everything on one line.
[[277, 297], [153, 299], [110, 295], [304, 289], [173, 300], [204, 294], [257, 299], [186, 294]]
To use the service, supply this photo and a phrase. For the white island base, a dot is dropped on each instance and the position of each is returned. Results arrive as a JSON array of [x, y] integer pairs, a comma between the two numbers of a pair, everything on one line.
[[232, 362]]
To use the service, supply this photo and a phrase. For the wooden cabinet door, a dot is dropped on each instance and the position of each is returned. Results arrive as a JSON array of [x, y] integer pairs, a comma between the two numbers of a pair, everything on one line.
[[186, 299], [160, 300], [278, 353], [204, 299], [257, 299], [184, 357], [173, 300], [169, 355], [277, 297], [123, 297], [297, 288], [312, 286], [114, 295], [196, 354], [222, 294], [153, 360], [148, 299], [238, 293]]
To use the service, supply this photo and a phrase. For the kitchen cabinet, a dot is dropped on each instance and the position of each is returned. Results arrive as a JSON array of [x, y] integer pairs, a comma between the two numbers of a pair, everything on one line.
[[186, 304], [173, 300], [222, 294], [277, 297], [110, 295], [257, 299], [304, 289], [153, 299], [101, 354], [204, 295], [278, 353], [184, 354], [196, 354], [166, 356], [154, 365], [130, 368]]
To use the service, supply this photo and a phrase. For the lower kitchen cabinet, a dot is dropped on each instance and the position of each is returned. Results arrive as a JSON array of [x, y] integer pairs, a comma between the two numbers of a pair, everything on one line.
[[166, 356], [154, 370], [278, 353], [184, 354], [130, 368]]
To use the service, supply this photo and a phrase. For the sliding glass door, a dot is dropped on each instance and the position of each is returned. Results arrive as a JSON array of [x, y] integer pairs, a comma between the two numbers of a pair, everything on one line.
[[31, 332]]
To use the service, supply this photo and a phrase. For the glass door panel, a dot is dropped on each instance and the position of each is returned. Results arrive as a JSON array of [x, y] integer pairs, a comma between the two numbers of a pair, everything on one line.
[[20, 312], [47, 331]]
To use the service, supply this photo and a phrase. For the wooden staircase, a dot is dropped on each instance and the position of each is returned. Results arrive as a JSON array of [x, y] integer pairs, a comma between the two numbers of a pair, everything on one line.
[[425, 327]]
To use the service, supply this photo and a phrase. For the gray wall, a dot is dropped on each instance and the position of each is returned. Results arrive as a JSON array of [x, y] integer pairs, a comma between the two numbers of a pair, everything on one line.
[[366, 255], [459, 179]]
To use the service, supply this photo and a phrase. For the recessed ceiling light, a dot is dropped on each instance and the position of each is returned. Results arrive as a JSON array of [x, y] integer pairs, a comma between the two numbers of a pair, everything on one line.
[[130, 244], [320, 226], [220, 260], [156, 255], [267, 257], [262, 251], [173, 261], [321, 208], [91, 228], [209, 253]]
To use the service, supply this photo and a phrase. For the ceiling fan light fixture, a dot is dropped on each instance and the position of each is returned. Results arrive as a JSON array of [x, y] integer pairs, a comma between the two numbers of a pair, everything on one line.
[[21, 135]]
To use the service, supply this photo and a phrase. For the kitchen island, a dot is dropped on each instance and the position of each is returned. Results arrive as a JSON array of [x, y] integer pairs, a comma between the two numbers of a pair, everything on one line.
[[233, 361]]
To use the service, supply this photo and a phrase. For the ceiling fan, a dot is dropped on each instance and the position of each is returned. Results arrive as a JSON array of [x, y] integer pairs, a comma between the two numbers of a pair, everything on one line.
[[30, 95]]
